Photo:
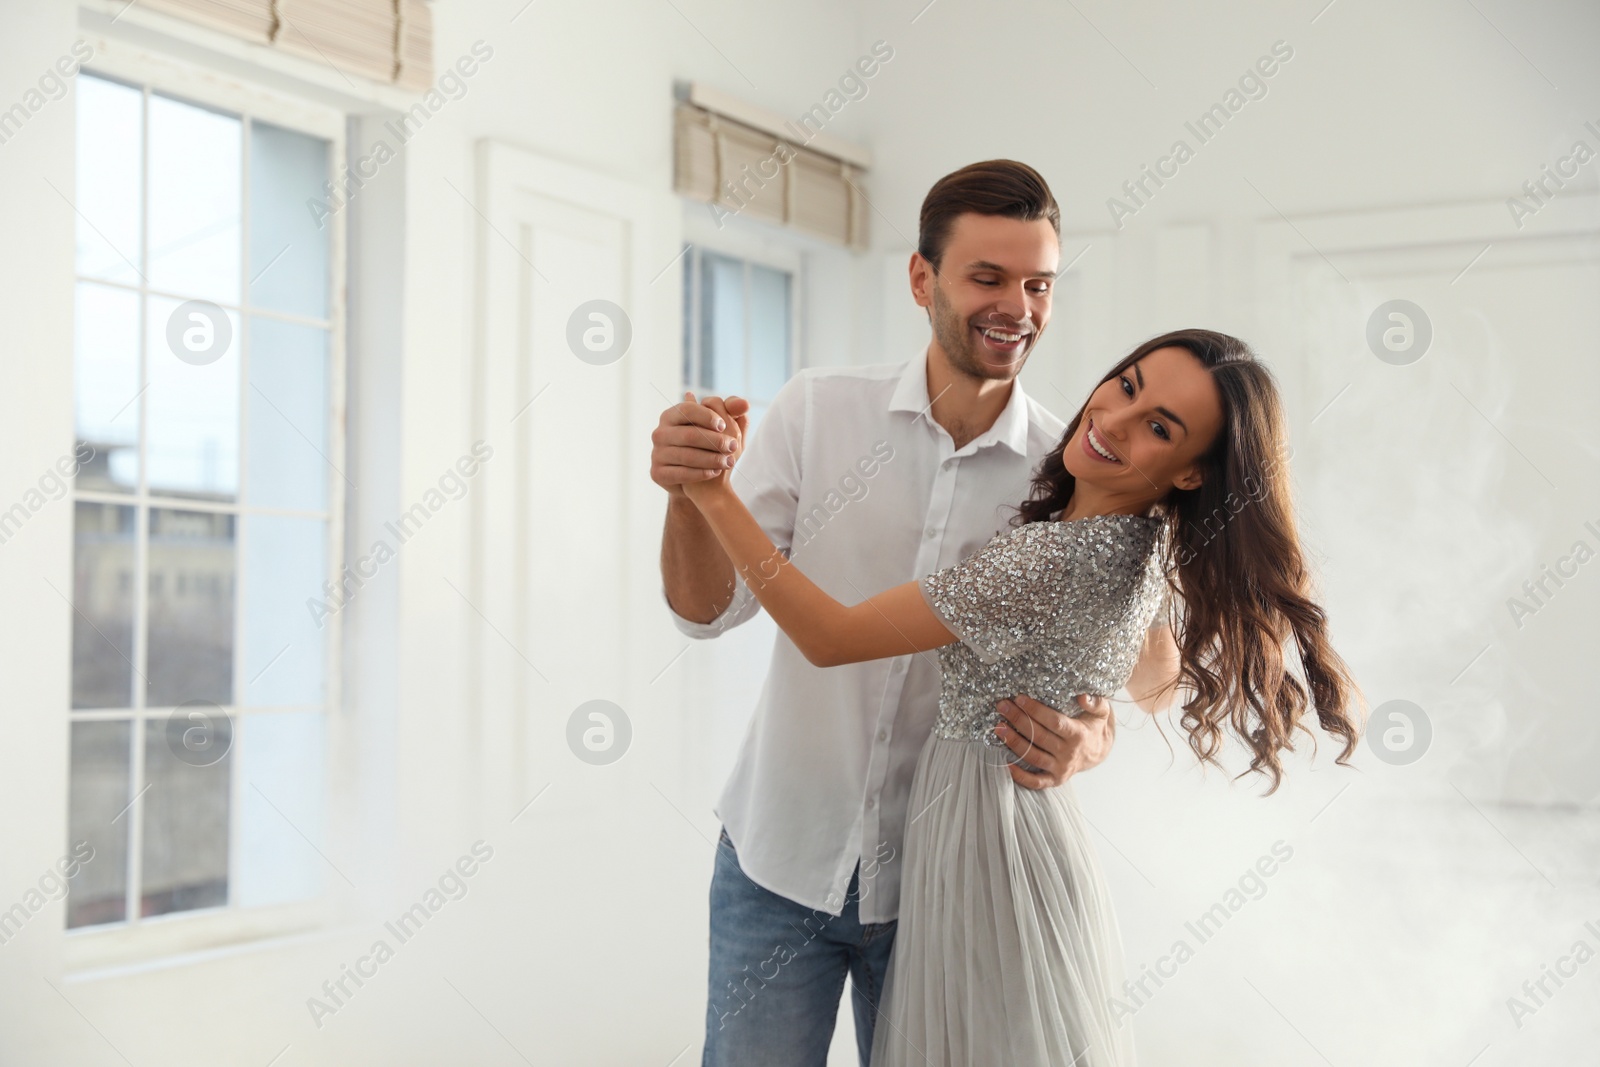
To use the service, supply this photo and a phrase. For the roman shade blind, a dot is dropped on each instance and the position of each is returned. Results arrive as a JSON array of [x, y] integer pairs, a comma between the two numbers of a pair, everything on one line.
[[743, 163], [382, 40]]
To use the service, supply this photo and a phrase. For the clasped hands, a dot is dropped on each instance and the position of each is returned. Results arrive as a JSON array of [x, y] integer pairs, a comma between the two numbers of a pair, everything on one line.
[[732, 430]]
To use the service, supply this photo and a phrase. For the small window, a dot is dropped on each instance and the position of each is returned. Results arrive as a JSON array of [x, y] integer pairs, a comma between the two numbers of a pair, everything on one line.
[[739, 327]]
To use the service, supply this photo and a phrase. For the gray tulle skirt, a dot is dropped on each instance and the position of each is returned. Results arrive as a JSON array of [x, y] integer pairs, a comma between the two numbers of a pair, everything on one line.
[[1007, 952]]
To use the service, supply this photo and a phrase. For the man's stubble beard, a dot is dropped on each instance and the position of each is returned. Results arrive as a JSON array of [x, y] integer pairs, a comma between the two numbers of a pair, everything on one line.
[[956, 339]]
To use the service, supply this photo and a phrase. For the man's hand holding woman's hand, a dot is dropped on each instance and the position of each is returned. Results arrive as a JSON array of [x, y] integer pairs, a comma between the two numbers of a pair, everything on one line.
[[697, 442]]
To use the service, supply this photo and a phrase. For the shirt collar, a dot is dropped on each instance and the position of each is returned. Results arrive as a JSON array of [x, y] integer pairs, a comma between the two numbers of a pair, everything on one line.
[[1009, 429]]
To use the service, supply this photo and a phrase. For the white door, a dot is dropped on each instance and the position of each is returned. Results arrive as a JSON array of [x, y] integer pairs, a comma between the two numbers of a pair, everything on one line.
[[577, 353]]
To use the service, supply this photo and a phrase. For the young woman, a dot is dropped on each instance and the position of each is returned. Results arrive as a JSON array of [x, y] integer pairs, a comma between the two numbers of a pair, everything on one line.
[[1167, 487]]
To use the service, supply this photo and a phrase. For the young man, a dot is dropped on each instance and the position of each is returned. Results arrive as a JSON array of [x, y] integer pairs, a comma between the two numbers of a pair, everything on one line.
[[866, 477]]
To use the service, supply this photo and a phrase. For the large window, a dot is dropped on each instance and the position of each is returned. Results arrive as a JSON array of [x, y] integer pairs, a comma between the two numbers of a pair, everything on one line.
[[739, 326], [206, 507]]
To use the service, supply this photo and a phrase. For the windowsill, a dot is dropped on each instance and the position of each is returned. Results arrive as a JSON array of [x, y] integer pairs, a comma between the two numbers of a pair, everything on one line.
[[117, 950]]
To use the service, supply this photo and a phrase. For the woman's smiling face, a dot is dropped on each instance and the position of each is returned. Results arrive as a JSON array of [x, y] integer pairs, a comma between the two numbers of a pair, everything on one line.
[[1144, 430]]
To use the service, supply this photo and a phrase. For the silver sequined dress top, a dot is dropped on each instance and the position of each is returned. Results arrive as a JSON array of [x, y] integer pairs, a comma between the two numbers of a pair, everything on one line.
[[1050, 609]]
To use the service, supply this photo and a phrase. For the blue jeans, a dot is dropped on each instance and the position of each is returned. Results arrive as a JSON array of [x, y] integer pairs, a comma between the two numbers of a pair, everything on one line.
[[777, 972]]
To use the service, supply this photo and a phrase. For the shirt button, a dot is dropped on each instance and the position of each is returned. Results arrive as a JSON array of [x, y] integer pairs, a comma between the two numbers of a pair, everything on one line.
[[872, 803], [930, 533], [883, 735]]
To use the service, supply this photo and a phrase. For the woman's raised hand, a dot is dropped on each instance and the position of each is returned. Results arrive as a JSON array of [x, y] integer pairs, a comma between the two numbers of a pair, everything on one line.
[[734, 426]]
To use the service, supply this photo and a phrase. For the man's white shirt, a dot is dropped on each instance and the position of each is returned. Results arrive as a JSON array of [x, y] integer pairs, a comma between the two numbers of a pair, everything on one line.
[[852, 479]]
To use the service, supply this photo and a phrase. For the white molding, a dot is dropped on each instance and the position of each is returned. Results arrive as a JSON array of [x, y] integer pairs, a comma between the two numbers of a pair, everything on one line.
[[233, 950], [136, 64], [1449, 235], [1489, 221], [759, 242], [179, 937]]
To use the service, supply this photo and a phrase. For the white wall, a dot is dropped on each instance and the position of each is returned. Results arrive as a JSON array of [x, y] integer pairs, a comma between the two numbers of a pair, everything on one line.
[[35, 428], [585, 939]]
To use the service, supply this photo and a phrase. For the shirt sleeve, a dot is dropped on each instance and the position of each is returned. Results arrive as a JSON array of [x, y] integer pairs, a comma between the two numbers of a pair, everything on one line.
[[997, 599], [767, 480]]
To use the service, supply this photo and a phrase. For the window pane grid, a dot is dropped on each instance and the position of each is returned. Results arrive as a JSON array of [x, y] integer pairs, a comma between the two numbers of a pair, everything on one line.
[[103, 497], [123, 714], [190, 881], [245, 308]]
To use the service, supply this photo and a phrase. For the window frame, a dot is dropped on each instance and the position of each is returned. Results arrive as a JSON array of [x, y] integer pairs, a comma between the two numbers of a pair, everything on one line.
[[136, 940]]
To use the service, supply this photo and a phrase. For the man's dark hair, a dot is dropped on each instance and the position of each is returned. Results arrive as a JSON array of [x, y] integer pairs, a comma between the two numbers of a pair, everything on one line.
[[1001, 187]]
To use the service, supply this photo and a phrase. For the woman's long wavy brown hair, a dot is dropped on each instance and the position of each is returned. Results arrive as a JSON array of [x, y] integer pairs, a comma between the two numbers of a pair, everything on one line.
[[1240, 572]]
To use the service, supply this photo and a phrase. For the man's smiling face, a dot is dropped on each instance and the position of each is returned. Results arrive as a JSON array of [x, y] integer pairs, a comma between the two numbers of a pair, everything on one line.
[[989, 299]]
